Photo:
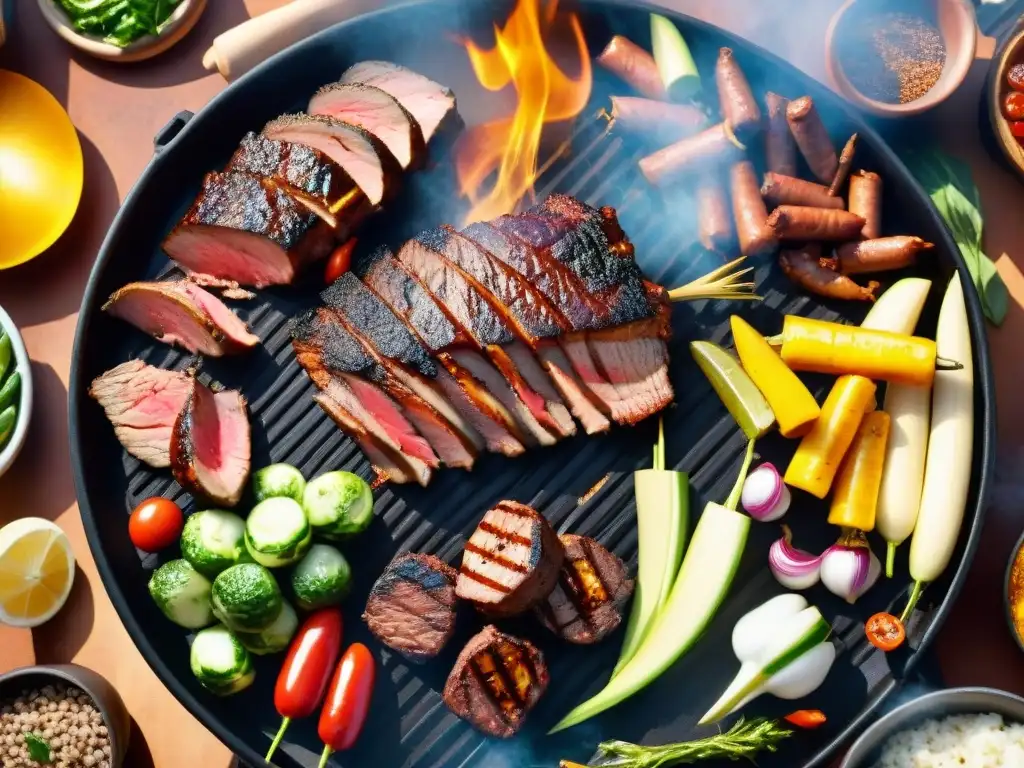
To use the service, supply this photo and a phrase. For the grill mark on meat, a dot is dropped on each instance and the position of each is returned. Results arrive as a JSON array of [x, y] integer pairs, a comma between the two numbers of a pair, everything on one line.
[[496, 531], [496, 680], [487, 582], [494, 557]]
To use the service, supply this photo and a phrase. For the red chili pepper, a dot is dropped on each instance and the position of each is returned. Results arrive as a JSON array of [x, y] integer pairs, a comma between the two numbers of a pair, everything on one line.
[[340, 261], [348, 701], [806, 718], [307, 669]]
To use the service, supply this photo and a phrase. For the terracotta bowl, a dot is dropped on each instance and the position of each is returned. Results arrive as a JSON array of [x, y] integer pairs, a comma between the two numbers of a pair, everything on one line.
[[177, 26], [957, 25], [1009, 53], [105, 696]]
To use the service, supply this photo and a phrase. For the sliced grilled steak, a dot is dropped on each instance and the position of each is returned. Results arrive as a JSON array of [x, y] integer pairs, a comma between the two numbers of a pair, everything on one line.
[[378, 112], [411, 607], [591, 595], [324, 185], [323, 341], [431, 104], [363, 156], [409, 300], [211, 448], [249, 229], [406, 370], [142, 402], [473, 313], [180, 312], [511, 562], [496, 681]]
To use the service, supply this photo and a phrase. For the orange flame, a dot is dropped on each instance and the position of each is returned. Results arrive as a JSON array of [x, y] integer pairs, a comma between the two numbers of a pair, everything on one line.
[[545, 94]]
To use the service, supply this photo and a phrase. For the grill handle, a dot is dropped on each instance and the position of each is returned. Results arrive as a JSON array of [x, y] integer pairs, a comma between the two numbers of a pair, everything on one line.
[[173, 127]]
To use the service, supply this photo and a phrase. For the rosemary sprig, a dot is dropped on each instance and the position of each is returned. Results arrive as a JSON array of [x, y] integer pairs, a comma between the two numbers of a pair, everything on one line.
[[721, 283], [743, 740]]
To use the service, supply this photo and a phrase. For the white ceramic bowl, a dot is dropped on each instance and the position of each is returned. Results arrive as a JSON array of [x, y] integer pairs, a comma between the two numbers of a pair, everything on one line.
[[10, 452]]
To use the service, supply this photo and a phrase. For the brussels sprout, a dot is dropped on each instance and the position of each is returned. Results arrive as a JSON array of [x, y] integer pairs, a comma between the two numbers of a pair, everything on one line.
[[214, 540], [277, 532], [321, 578], [246, 598], [338, 504], [275, 637], [220, 662], [278, 480], [182, 593]]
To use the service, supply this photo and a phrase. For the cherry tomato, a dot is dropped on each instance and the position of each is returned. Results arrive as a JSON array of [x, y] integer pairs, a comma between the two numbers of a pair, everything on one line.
[[348, 701], [340, 261], [1017, 129], [1015, 76], [885, 631], [155, 524], [806, 718], [1013, 105]]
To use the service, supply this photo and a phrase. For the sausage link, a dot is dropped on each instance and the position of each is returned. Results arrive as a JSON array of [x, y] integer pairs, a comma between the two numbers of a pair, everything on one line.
[[634, 65], [812, 138], [739, 107], [880, 255], [866, 200], [657, 121], [804, 268], [748, 210], [787, 190], [779, 147], [799, 222], [714, 217], [694, 153]]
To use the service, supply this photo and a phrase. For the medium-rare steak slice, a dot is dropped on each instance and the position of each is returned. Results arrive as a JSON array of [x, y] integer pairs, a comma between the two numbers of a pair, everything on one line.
[[411, 607], [471, 311], [511, 562], [322, 183], [431, 104], [363, 156], [341, 354], [495, 682], [378, 112], [180, 312], [249, 229], [404, 368], [211, 449], [142, 402], [591, 595], [408, 299]]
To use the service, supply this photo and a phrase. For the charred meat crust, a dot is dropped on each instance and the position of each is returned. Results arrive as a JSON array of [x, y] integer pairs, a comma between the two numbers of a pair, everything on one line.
[[496, 681]]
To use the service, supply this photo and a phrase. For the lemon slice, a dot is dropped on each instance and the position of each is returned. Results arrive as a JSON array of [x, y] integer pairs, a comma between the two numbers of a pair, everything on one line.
[[37, 569]]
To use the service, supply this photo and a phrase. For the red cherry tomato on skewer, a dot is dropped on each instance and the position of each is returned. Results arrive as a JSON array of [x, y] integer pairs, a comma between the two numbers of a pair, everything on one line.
[[340, 261], [155, 524], [348, 701], [885, 631]]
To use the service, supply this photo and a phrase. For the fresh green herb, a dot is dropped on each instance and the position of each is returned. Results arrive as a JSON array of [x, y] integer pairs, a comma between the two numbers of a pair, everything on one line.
[[38, 749], [119, 22], [948, 181], [743, 740]]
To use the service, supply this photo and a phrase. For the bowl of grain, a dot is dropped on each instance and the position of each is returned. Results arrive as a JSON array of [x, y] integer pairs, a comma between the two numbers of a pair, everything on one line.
[[900, 62], [968, 727], [74, 716]]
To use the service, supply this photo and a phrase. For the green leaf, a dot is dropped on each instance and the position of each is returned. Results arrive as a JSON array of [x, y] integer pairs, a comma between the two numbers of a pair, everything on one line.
[[995, 298], [38, 749]]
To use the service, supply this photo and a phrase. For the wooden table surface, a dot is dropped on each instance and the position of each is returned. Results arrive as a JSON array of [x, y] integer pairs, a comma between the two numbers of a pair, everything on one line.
[[118, 109]]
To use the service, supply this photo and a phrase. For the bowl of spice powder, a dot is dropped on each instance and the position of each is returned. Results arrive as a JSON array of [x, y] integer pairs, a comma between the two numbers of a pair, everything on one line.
[[895, 60], [63, 716]]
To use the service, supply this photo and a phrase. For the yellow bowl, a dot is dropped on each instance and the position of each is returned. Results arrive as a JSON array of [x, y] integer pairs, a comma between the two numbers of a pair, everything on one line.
[[40, 169]]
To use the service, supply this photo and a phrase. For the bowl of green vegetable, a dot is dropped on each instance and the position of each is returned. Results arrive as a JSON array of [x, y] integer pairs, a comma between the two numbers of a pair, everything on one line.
[[15, 392], [119, 31]]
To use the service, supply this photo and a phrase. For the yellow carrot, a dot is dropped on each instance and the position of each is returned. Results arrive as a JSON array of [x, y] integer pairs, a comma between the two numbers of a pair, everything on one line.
[[794, 406], [856, 496]]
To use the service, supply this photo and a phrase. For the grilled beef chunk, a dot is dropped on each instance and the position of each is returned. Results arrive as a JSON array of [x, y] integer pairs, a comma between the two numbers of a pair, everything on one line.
[[249, 229], [142, 402], [511, 562], [430, 104], [363, 156], [378, 112], [408, 299], [210, 446], [180, 312], [496, 681], [403, 368], [591, 595], [412, 606]]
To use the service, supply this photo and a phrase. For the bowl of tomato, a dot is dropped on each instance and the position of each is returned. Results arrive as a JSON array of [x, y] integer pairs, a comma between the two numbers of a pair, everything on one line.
[[1005, 96]]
